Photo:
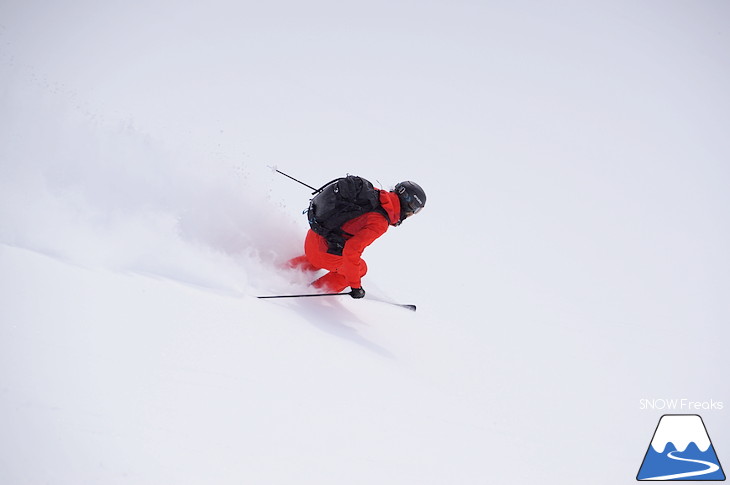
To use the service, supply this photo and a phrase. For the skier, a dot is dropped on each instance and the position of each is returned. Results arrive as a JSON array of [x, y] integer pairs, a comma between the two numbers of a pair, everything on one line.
[[344, 260]]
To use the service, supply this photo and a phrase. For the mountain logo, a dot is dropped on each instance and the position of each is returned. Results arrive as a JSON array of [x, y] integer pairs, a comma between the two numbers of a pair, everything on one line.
[[681, 450]]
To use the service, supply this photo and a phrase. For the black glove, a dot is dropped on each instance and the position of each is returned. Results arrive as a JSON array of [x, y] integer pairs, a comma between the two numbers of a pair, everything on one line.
[[357, 293]]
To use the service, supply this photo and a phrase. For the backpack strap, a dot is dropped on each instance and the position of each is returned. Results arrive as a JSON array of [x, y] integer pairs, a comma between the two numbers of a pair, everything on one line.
[[325, 185]]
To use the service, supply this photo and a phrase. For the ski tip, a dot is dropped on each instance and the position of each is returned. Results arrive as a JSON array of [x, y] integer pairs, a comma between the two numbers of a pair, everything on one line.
[[407, 307]]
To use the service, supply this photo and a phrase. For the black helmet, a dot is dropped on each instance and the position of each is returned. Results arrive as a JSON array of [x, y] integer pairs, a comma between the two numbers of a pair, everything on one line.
[[412, 198]]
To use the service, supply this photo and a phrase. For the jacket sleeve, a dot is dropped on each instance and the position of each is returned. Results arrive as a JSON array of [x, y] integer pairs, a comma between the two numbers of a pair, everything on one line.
[[353, 266]]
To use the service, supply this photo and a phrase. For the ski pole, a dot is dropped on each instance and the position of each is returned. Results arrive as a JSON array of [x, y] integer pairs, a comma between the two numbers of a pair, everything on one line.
[[299, 181], [408, 307], [304, 296]]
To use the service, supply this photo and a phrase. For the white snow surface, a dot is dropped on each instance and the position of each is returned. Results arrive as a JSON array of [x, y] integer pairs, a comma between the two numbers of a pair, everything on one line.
[[572, 258]]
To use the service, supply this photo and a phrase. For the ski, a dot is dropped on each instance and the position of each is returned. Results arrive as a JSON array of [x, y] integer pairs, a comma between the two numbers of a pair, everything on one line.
[[402, 305]]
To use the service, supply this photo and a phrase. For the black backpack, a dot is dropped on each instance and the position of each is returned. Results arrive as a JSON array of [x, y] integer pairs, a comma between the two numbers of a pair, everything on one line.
[[339, 201]]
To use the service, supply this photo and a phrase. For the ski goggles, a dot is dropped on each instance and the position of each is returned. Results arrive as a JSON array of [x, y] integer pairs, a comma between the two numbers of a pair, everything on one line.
[[413, 204], [413, 210]]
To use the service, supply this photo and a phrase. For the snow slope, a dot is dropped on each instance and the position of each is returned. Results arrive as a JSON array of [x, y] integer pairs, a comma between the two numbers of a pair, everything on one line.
[[572, 259], [119, 377]]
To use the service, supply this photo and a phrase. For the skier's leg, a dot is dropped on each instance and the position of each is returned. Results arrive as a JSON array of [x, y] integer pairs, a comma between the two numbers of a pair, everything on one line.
[[315, 248], [331, 282], [301, 263], [336, 282]]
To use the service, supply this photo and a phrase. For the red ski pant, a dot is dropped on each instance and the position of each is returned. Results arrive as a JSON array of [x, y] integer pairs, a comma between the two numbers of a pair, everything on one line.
[[316, 257]]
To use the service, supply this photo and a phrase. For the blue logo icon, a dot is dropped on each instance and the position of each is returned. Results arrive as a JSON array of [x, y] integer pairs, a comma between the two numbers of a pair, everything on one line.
[[681, 450]]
